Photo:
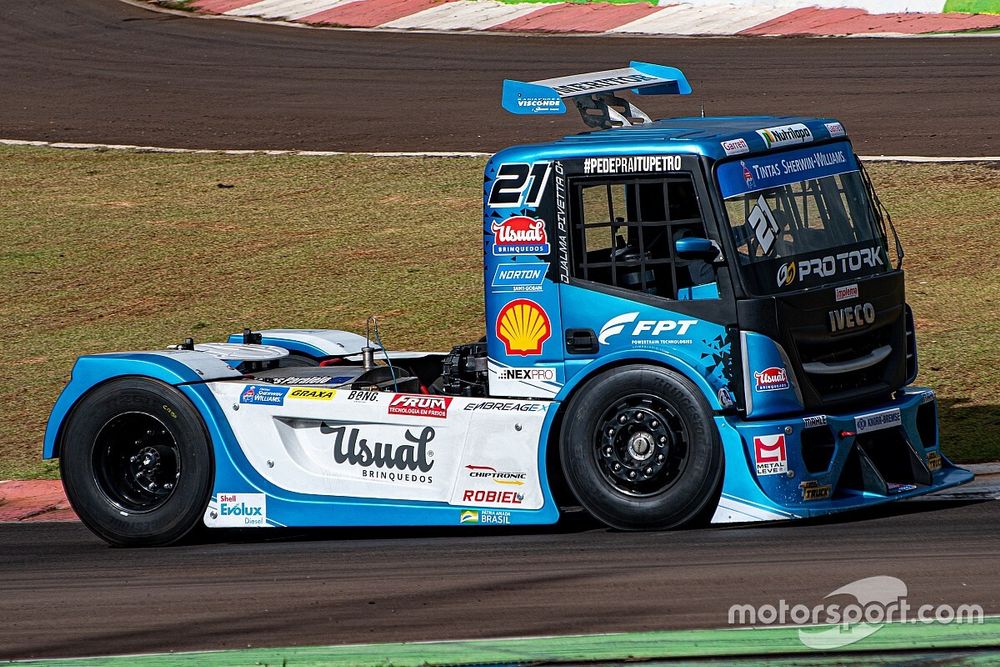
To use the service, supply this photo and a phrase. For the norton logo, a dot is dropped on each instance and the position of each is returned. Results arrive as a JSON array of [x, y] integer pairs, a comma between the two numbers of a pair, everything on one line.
[[520, 235], [418, 405], [852, 317], [357, 451], [771, 379], [654, 328], [522, 327]]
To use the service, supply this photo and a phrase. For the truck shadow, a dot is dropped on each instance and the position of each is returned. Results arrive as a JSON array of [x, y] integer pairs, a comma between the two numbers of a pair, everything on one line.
[[969, 432]]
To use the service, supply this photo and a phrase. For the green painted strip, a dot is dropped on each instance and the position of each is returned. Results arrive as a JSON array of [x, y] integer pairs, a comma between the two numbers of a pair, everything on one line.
[[972, 6], [733, 642]]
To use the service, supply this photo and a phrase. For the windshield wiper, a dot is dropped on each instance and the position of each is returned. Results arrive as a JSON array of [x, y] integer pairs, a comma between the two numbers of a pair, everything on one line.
[[881, 214]]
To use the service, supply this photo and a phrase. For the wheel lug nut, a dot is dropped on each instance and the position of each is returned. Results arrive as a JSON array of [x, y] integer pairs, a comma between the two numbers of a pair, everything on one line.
[[623, 419], [654, 423], [639, 417], [631, 475], [617, 467], [149, 431], [607, 451], [611, 431], [659, 457], [649, 471]]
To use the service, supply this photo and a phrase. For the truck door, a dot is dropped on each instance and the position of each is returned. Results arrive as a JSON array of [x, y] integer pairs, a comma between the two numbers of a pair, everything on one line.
[[625, 292]]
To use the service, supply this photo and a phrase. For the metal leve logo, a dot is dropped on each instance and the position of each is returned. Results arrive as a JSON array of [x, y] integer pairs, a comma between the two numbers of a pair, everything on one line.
[[523, 327]]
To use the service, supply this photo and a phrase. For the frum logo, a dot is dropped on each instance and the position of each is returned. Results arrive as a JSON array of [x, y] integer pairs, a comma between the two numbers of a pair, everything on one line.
[[876, 602]]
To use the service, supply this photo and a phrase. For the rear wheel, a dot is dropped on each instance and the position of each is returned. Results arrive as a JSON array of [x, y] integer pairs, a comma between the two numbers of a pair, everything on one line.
[[639, 449], [136, 462]]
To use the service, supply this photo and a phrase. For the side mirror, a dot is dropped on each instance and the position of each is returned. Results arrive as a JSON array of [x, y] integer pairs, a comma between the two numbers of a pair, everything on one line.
[[695, 247]]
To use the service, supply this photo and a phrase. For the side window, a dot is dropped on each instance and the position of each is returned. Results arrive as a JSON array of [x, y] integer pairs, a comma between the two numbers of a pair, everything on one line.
[[624, 233]]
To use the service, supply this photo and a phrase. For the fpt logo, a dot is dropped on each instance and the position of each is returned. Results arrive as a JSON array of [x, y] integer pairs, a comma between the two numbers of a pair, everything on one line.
[[418, 405], [523, 327], [520, 235], [653, 330]]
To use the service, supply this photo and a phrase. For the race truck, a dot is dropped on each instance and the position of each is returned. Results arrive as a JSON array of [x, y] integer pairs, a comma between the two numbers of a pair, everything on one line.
[[687, 320]]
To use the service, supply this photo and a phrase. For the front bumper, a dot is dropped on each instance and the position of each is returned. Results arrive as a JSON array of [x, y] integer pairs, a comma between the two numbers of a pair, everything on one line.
[[813, 465]]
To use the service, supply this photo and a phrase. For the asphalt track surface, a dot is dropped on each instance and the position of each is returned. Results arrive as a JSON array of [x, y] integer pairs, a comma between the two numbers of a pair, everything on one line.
[[64, 593], [103, 71]]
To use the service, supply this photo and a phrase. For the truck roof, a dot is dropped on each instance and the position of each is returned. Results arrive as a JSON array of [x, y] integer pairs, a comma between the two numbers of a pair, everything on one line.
[[713, 137], [626, 129]]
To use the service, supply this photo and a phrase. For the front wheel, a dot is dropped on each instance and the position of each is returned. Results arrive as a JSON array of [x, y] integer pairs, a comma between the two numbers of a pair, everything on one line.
[[639, 449], [136, 463]]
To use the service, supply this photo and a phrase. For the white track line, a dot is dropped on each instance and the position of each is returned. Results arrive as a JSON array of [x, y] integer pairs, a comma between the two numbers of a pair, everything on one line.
[[245, 151]]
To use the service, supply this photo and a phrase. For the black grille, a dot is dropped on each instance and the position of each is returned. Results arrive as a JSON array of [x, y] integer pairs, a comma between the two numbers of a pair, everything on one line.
[[839, 386]]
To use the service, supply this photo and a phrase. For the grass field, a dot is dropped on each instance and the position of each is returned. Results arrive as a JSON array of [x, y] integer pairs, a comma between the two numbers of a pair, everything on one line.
[[114, 251]]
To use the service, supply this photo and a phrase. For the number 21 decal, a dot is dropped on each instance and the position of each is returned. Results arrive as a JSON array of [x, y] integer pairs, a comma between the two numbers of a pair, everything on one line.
[[519, 184]]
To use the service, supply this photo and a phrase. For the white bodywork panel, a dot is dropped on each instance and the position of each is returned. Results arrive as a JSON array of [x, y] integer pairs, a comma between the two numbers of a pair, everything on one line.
[[473, 452]]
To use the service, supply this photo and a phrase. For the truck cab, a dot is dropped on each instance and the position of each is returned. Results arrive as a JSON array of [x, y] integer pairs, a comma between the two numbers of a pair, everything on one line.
[[750, 255]]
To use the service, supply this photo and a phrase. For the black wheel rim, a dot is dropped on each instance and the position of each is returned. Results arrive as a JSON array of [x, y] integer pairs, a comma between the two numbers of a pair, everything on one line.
[[641, 445], [137, 462]]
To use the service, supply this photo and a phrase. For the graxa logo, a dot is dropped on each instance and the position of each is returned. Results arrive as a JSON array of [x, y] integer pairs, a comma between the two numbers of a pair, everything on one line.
[[351, 448]]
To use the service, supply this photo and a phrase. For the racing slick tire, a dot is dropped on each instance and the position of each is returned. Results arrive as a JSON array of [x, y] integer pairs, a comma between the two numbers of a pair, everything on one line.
[[640, 451], [136, 462]]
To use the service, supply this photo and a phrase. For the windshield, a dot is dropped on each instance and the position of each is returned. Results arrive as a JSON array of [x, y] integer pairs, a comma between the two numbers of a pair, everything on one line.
[[803, 218]]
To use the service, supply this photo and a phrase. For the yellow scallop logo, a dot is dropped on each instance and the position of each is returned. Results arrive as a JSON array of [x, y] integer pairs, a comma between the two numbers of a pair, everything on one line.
[[522, 327]]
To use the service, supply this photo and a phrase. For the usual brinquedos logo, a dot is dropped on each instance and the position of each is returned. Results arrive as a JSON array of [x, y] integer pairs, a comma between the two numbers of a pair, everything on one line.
[[520, 235], [771, 379], [352, 448], [523, 327], [418, 405]]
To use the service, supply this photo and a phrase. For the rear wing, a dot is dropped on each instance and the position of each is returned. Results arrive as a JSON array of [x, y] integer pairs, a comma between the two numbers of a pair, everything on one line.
[[594, 93]]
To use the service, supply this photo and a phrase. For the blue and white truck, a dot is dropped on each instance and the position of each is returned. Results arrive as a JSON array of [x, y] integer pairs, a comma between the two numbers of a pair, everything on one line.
[[687, 320]]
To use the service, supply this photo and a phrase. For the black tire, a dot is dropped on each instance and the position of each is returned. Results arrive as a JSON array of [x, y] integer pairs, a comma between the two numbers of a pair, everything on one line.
[[639, 449], [136, 462]]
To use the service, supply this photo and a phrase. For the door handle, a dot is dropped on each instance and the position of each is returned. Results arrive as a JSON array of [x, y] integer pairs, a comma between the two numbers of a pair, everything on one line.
[[581, 341]]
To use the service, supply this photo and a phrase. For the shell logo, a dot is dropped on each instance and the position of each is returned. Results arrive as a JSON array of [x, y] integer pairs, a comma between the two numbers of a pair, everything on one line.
[[523, 327]]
